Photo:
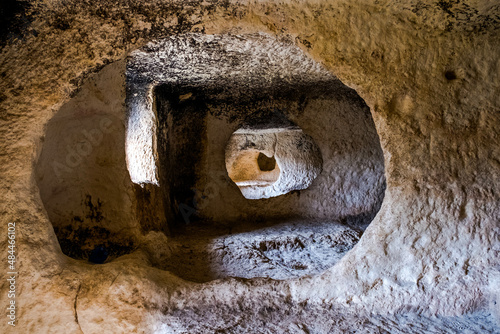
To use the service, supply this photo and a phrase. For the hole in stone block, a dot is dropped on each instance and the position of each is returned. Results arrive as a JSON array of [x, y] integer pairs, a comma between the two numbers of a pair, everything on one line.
[[270, 162], [450, 75], [170, 176], [248, 168], [265, 163]]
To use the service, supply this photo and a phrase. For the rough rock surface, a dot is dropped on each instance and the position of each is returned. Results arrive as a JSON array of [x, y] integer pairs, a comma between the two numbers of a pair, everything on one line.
[[279, 251], [232, 66], [298, 161], [429, 261], [194, 105]]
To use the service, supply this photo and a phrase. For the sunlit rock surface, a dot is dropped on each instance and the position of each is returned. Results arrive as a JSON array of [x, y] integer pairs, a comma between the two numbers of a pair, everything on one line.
[[294, 161]]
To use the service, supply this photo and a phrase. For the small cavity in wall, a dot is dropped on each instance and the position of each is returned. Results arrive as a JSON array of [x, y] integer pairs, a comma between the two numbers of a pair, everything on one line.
[[271, 162]]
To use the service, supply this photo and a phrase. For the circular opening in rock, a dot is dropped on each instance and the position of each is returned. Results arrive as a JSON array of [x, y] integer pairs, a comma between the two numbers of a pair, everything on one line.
[[184, 117], [250, 169], [269, 162], [265, 163]]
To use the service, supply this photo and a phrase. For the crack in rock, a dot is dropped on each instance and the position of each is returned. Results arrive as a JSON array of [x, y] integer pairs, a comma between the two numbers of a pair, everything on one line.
[[74, 307]]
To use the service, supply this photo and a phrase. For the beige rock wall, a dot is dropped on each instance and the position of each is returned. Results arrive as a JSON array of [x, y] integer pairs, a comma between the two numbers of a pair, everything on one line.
[[433, 249], [296, 162]]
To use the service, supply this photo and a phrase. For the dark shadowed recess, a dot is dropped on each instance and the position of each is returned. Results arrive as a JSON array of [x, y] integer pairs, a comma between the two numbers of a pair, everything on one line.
[[182, 111], [14, 19]]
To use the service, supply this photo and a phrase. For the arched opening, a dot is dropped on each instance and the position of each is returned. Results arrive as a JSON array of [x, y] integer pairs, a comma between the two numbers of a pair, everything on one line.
[[209, 129], [251, 161], [313, 180]]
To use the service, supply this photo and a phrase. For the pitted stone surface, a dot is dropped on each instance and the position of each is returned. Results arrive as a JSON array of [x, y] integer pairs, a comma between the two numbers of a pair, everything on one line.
[[428, 262], [298, 161], [236, 65]]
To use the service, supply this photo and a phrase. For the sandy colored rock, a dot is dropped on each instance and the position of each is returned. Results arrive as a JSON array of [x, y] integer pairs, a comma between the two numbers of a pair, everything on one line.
[[429, 260]]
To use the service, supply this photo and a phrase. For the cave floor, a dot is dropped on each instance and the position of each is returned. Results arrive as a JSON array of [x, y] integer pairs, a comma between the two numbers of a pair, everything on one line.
[[317, 319], [283, 250]]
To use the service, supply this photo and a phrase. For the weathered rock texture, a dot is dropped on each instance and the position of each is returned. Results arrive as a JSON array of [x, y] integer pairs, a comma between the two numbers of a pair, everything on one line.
[[291, 249], [183, 110], [272, 162], [430, 259]]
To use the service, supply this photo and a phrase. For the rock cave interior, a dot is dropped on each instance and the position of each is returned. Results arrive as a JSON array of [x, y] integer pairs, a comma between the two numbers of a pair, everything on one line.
[[256, 175], [184, 167]]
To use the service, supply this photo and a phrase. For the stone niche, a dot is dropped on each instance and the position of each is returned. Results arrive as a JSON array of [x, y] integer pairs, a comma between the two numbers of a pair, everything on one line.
[[242, 141], [126, 151], [249, 140], [271, 162]]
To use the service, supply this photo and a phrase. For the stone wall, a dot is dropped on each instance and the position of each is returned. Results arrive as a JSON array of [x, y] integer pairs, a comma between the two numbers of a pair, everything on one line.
[[429, 73]]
